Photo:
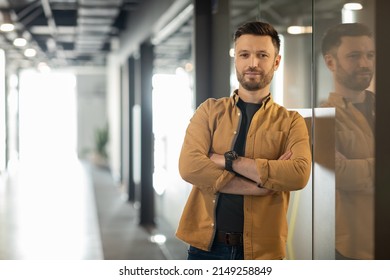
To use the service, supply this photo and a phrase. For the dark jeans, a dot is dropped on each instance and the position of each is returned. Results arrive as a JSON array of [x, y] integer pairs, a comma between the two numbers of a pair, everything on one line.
[[218, 252]]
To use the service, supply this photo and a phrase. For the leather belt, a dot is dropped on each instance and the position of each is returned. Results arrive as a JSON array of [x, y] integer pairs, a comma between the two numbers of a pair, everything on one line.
[[229, 238]]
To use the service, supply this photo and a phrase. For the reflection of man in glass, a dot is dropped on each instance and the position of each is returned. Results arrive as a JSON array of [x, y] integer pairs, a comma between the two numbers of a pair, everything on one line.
[[349, 53]]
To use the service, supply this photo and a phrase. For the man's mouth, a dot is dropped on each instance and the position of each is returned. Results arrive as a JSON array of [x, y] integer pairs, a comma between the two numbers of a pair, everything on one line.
[[364, 74], [252, 74]]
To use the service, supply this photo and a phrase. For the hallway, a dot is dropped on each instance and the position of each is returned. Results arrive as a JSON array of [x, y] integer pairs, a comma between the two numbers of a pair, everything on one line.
[[71, 210]]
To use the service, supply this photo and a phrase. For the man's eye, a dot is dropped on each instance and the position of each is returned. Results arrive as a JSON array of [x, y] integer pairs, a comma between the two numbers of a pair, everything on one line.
[[262, 55], [354, 56]]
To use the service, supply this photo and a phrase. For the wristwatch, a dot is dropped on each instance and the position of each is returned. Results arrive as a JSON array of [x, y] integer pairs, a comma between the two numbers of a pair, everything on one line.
[[229, 157]]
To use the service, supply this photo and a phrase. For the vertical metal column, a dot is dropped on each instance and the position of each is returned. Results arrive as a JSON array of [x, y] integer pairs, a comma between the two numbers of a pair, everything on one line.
[[211, 43], [122, 130], [221, 42], [124, 146], [202, 50], [147, 192], [131, 103], [382, 138]]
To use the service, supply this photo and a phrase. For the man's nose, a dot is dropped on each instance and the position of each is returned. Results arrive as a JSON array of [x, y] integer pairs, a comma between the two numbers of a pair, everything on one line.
[[365, 60], [254, 61]]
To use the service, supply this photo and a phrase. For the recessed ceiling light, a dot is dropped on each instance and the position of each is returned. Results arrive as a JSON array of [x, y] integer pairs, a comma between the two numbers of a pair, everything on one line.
[[20, 42], [7, 27], [43, 67], [296, 29], [353, 6], [30, 52]]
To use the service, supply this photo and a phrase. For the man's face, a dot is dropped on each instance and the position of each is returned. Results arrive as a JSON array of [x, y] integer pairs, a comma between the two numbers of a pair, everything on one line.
[[355, 62], [255, 61]]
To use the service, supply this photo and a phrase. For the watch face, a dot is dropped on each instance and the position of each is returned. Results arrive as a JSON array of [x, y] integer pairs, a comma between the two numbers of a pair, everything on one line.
[[231, 155]]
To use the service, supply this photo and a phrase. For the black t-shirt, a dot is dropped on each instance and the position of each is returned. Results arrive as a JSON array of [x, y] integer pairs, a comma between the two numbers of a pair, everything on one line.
[[230, 211], [367, 108]]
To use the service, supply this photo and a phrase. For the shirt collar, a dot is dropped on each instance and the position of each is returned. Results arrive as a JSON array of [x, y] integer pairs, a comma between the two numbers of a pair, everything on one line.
[[267, 101], [339, 100]]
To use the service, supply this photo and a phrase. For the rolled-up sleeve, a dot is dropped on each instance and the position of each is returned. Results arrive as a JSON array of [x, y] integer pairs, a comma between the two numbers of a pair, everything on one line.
[[195, 165]]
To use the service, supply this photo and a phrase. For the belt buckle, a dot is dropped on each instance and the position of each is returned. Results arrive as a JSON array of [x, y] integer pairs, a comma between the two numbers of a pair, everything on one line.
[[227, 238], [231, 241]]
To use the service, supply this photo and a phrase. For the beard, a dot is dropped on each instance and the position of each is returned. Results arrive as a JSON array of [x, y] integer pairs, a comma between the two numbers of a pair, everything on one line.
[[253, 84], [353, 80]]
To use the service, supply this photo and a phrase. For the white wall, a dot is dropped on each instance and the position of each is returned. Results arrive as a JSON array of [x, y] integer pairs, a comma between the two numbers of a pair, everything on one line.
[[297, 69], [114, 113], [2, 113], [91, 107]]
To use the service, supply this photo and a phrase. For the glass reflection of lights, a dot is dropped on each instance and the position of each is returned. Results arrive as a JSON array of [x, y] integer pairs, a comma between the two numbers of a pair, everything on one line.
[[158, 239]]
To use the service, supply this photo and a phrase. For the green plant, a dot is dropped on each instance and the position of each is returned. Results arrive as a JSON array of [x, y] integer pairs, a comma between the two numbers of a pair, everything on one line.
[[101, 140]]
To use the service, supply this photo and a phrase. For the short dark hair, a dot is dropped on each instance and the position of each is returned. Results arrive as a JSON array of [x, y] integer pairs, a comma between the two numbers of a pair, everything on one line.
[[332, 37], [260, 29]]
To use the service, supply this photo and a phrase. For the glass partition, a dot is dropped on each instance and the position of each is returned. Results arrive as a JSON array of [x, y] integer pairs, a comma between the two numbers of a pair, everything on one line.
[[344, 64], [333, 217]]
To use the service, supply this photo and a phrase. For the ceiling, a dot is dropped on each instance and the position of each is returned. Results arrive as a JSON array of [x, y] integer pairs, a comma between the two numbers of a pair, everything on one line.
[[81, 32], [65, 32]]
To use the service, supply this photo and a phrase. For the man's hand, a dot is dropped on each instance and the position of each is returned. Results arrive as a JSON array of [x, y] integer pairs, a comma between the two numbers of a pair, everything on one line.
[[340, 156], [285, 156], [218, 159], [246, 167], [243, 186]]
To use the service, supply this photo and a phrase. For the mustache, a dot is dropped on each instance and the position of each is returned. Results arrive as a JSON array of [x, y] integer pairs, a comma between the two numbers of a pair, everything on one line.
[[364, 71], [253, 70]]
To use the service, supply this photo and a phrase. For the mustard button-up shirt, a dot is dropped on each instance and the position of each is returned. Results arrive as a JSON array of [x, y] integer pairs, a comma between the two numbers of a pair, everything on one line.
[[355, 175], [273, 131]]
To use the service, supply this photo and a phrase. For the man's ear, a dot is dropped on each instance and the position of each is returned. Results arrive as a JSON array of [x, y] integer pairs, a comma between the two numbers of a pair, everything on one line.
[[330, 61], [277, 62]]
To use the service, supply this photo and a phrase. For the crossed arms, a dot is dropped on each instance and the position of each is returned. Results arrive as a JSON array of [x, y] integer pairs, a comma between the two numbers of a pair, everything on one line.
[[249, 182]]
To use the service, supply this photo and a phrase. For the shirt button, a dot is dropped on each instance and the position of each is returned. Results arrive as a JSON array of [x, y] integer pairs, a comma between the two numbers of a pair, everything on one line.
[[212, 225], [235, 132], [239, 114], [213, 200]]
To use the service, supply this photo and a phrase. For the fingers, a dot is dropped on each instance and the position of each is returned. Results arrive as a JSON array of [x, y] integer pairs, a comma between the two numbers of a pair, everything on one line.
[[265, 192], [285, 156], [217, 159], [340, 156]]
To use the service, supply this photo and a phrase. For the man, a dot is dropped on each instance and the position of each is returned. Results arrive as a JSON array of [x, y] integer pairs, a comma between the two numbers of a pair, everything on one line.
[[349, 53], [243, 154]]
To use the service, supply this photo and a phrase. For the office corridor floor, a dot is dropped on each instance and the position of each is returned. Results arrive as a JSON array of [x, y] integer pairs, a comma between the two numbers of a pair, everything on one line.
[[70, 211]]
